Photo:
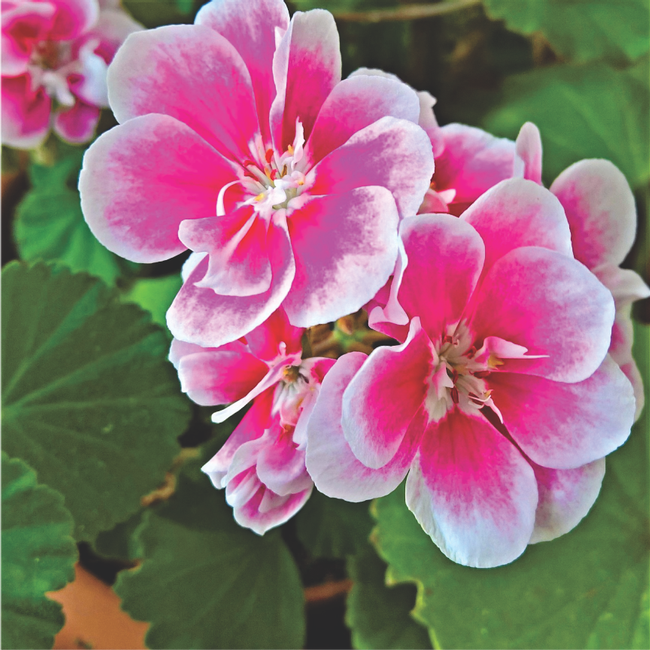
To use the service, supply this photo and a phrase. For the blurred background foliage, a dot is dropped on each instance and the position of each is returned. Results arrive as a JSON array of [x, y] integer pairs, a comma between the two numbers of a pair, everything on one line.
[[579, 70]]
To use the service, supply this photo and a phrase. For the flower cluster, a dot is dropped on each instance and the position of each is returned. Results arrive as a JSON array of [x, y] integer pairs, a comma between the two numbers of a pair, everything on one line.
[[55, 56], [506, 376]]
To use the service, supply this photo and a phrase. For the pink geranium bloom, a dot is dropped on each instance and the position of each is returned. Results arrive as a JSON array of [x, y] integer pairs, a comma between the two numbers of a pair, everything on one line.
[[55, 54], [500, 400], [262, 464], [599, 205], [239, 141], [469, 161]]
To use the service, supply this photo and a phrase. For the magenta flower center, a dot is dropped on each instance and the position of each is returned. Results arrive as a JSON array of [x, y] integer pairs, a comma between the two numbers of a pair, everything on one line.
[[53, 66], [290, 394], [459, 373], [271, 180]]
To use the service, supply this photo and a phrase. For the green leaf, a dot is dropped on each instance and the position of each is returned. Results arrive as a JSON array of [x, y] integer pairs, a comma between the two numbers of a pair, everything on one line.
[[588, 111], [379, 615], [155, 295], [89, 399], [581, 30], [333, 527], [185, 6], [585, 589], [208, 583], [50, 225], [154, 13], [119, 542], [38, 555]]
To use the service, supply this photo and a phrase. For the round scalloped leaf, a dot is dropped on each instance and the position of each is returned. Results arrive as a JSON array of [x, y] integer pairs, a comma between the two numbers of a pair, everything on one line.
[[208, 583], [587, 589], [589, 111], [581, 31], [89, 399], [379, 614], [38, 555], [50, 225]]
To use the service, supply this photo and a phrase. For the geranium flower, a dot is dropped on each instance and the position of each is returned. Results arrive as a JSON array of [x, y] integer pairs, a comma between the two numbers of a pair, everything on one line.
[[599, 205], [469, 161], [262, 464], [239, 140], [54, 60], [500, 399]]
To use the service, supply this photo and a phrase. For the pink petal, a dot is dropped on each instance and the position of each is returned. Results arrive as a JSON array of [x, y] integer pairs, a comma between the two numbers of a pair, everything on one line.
[[565, 497], [252, 427], [472, 161], [134, 194], [385, 314], [306, 68], [72, 18], [78, 124], [426, 119], [261, 517], [25, 113], [213, 378], [626, 285], [384, 397], [251, 28], [180, 349], [238, 257], [433, 203], [564, 426], [429, 122], [275, 337], [550, 304], [621, 351], [281, 466], [201, 316], [189, 72], [528, 154], [112, 28], [89, 83], [445, 258], [356, 103], [472, 492], [330, 462], [517, 213], [345, 246], [316, 368], [392, 153], [601, 212]]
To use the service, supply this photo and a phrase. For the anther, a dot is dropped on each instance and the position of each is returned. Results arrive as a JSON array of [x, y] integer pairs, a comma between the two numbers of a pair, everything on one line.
[[454, 395], [482, 374], [269, 155]]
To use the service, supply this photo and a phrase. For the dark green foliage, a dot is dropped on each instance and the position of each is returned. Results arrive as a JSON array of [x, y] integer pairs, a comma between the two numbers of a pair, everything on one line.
[[208, 583], [38, 555], [89, 399]]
